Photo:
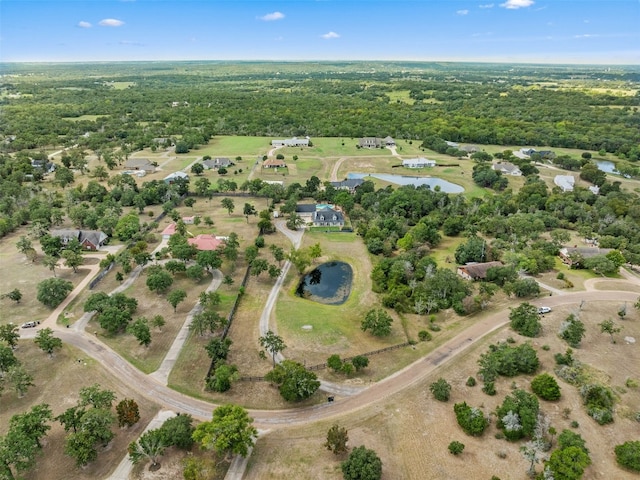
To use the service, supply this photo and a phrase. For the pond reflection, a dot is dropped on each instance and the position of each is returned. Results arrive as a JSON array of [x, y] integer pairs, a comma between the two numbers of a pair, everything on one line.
[[329, 283]]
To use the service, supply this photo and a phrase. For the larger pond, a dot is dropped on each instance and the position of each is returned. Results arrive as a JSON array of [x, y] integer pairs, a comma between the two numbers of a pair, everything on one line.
[[329, 283], [431, 182]]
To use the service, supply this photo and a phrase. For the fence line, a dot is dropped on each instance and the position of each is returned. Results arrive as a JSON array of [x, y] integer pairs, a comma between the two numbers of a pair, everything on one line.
[[100, 276], [322, 366]]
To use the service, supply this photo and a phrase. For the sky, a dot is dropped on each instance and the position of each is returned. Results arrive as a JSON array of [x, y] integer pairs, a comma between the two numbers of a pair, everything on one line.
[[508, 31]]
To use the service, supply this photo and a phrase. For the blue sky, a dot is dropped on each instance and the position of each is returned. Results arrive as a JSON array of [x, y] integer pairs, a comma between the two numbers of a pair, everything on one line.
[[545, 31]]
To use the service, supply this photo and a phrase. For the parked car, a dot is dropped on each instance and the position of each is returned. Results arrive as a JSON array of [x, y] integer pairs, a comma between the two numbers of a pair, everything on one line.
[[543, 310], [30, 324]]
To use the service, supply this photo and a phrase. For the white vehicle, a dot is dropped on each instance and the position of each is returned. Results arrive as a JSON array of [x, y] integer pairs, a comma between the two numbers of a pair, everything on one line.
[[30, 324], [543, 310]]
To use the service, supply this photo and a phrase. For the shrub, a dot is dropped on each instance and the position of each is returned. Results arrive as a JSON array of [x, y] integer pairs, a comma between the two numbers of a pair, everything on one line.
[[334, 362], [362, 464], [471, 420], [517, 416], [489, 388], [441, 390], [572, 331], [471, 382], [525, 320], [360, 362], [424, 336], [456, 447], [508, 361], [599, 402], [628, 455], [631, 383], [546, 387], [434, 327], [566, 359]]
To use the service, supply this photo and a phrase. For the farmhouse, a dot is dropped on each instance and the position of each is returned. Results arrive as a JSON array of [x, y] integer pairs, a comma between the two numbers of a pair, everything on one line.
[[507, 168], [419, 162], [189, 220], [350, 184], [205, 241], [476, 271], [273, 163], [43, 166], [89, 239], [470, 148], [574, 255], [218, 162], [327, 217], [374, 142], [291, 142], [306, 211], [173, 177], [140, 164], [565, 182]]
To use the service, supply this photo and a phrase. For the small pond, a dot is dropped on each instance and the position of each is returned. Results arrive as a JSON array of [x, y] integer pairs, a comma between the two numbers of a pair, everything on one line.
[[431, 182], [606, 166], [329, 283]]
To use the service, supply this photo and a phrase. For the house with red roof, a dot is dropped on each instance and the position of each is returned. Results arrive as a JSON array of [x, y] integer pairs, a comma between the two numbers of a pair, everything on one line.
[[205, 241]]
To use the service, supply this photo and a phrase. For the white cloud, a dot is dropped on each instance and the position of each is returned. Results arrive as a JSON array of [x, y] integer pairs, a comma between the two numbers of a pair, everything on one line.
[[462, 12], [270, 17], [486, 5], [129, 42], [330, 35], [83, 24], [110, 22], [515, 4]]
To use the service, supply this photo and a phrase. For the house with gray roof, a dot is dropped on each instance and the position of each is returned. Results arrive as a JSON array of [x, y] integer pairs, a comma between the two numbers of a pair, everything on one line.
[[477, 270], [218, 162], [140, 164], [327, 217], [565, 182], [89, 239], [507, 168], [419, 162], [291, 142], [350, 184]]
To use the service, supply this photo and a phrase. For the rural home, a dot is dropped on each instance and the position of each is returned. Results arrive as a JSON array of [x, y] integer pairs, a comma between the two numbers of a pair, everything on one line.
[[218, 162], [43, 166], [350, 184], [274, 163], [89, 239], [452, 144], [327, 217], [565, 182], [205, 241], [291, 142], [173, 177], [306, 211], [189, 220], [374, 142], [470, 148], [477, 271], [507, 168], [572, 255], [140, 164], [419, 162], [168, 231]]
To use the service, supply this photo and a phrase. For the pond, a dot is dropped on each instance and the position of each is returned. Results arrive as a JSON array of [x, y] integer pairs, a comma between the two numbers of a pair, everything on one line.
[[329, 283], [431, 182], [606, 166]]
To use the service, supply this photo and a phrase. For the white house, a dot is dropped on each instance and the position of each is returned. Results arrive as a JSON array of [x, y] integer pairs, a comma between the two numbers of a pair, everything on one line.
[[507, 168], [419, 162], [565, 182], [291, 142]]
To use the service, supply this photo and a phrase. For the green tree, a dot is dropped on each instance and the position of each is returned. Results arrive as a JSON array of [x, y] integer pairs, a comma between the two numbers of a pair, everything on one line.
[[15, 295], [471, 419], [228, 205], [72, 259], [47, 342], [572, 331], [248, 210], [97, 397], [441, 390], [52, 291], [378, 322], [456, 447], [127, 227], [24, 245], [334, 362], [149, 446], [159, 282], [273, 344], [337, 438], [128, 412], [7, 359], [608, 326], [525, 320], [230, 431], [218, 349], [546, 387], [628, 455], [195, 273], [568, 463], [140, 329], [362, 464], [51, 263], [178, 431], [518, 414], [20, 379], [175, 297], [9, 333], [222, 378], [359, 362], [197, 168], [294, 381]]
